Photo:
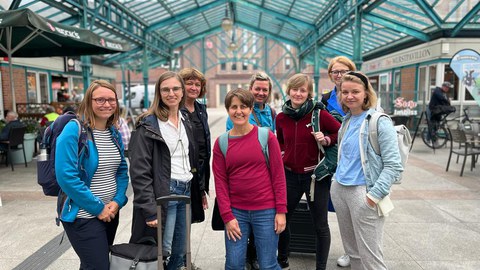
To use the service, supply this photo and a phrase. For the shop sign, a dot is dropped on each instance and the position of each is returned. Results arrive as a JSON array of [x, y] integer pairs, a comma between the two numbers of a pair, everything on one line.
[[404, 107], [73, 64]]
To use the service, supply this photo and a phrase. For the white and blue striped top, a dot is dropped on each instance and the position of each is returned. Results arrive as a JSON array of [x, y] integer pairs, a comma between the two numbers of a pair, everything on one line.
[[104, 184]]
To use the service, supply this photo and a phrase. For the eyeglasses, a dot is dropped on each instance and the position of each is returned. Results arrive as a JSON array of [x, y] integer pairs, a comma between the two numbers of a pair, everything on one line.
[[337, 72], [101, 101], [166, 90]]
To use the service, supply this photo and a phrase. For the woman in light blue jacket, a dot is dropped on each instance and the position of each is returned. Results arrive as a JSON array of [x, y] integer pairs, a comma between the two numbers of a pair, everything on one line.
[[94, 182], [357, 190]]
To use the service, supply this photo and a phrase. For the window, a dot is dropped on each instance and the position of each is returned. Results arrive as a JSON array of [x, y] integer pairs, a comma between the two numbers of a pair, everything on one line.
[[223, 93], [32, 87], [255, 64], [245, 65], [234, 66], [288, 63], [223, 65]]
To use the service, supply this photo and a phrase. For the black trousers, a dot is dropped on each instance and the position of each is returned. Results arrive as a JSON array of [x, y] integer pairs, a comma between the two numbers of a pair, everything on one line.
[[297, 185], [91, 238]]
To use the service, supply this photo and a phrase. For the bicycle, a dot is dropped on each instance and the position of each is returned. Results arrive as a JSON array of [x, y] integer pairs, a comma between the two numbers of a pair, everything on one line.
[[436, 135]]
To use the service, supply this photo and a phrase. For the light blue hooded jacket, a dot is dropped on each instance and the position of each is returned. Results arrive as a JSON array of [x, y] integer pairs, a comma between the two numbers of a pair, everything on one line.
[[380, 170], [74, 173]]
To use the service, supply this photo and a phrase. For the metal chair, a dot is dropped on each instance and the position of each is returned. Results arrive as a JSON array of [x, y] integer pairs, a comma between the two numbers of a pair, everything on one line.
[[466, 148], [15, 139]]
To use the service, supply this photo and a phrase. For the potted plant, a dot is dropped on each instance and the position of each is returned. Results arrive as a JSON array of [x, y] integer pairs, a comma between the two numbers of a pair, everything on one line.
[[29, 139]]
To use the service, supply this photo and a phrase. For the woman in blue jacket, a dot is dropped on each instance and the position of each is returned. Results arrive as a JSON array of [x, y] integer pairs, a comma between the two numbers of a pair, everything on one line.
[[363, 179], [94, 183]]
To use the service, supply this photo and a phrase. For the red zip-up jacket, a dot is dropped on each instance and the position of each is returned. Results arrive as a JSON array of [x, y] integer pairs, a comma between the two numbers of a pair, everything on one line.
[[297, 142]]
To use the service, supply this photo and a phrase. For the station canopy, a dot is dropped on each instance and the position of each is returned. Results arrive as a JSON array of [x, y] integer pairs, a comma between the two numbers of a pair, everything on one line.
[[360, 29]]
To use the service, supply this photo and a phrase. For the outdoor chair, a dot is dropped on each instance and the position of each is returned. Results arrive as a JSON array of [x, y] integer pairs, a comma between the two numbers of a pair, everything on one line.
[[15, 139], [466, 148]]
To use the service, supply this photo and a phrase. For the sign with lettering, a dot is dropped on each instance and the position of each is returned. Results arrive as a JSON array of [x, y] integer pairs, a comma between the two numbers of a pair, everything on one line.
[[466, 64]]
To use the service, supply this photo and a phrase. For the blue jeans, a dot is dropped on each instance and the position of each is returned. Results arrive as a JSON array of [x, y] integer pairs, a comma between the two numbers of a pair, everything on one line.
[[175, 233], [262, 222]]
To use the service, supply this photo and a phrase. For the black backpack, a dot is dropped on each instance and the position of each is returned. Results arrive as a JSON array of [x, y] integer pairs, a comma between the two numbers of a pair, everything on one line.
[[46, 176]]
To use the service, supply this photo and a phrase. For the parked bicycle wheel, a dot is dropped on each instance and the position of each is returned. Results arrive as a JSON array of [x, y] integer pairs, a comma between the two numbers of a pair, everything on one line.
[[437, 140]]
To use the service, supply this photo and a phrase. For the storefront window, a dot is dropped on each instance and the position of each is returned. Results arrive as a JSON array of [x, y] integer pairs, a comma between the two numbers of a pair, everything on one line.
[[43, 88], [32, 87]]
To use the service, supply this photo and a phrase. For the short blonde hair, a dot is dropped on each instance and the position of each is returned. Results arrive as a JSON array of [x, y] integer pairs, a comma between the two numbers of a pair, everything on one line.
[[342, 60], [360, 78], [299, 80]]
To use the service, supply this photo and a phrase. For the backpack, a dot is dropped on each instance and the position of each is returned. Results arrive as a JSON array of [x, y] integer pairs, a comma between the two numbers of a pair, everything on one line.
[[46, 176], [404, 140], [263, 133], [328, 164]]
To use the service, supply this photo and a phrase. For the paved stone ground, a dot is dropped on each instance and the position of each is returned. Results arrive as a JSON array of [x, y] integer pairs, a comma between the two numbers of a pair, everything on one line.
[[435, 224]]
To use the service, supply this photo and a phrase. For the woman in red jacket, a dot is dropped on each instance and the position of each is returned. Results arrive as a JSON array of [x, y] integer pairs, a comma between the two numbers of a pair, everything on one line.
[[299, 144]]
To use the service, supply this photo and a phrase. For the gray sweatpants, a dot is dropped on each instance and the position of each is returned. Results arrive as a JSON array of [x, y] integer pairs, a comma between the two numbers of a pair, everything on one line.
[[360, 226]]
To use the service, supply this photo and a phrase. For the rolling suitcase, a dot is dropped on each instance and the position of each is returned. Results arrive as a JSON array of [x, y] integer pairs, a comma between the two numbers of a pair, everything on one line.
[[166, 199], [302, 232], [148, 253]]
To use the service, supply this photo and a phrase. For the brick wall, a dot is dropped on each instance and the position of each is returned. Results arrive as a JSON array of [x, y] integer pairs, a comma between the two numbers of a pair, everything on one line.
[[19, 84]]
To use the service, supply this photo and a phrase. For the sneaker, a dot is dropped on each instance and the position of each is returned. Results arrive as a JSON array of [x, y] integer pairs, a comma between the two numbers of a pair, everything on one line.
[[343, 261], [284, 264]]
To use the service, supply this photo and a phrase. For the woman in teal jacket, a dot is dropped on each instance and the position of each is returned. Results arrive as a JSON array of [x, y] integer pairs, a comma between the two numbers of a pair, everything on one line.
[[94, 183]]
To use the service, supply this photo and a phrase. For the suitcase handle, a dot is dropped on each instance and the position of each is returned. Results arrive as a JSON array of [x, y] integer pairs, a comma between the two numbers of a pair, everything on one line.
[[160, 201], [173, 197]]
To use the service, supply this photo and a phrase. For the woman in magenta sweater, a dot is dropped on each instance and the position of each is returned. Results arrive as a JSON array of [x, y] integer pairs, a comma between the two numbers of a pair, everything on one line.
[[251, 194], [299, 144]]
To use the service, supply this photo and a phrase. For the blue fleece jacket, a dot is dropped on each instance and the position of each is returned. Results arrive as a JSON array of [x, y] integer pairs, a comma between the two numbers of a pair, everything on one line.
[[74, 173]]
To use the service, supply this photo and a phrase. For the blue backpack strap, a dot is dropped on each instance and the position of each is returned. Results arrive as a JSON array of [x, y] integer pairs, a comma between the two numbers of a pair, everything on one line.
[[263, 133], [223, 143]]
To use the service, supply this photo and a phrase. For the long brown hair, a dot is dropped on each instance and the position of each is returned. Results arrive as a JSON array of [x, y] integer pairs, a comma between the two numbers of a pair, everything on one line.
[[85, 110], [158, 108]]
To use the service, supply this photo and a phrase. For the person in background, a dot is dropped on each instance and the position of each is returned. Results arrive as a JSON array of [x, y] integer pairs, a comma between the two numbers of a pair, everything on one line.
[[94, 184], [195, 87], [263, 116], [251, 194], [337, 67], [357, 190], [301, 155], [49, 116], [124, 129], [163, 159], [11, 120], [439, 105]]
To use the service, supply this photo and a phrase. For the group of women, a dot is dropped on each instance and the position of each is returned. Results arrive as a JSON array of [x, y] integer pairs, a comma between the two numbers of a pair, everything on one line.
[[258, 184]]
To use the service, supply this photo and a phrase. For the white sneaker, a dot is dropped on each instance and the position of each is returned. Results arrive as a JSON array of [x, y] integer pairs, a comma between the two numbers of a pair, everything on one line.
[[343, 261]]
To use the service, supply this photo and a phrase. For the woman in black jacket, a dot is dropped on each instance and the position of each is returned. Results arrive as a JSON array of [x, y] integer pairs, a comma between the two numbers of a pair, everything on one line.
[[195, 87], [163, 162]]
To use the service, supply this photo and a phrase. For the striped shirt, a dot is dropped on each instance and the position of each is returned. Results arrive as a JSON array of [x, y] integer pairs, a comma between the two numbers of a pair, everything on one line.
[[104, 184]]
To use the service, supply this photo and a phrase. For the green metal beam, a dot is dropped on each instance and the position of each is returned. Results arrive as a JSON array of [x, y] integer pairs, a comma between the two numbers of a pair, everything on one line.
[[278, 15], [397, 27], [184, 15], [122, 56], [266, 34], [197, 36], [333, 51], [428, 10], [472, 13]]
